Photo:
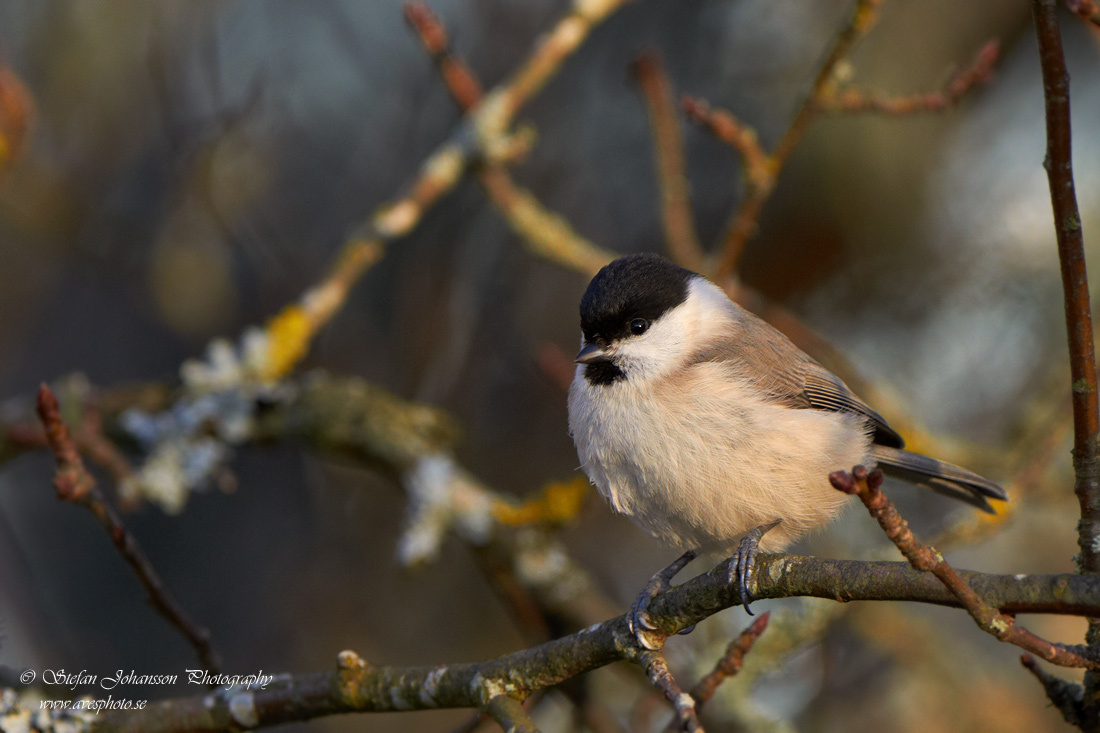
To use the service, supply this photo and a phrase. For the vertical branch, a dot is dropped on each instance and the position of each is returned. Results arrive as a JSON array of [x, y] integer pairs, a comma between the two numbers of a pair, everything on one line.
[[668, 148], [1071, 254], [1067, 220], [1082, 354]]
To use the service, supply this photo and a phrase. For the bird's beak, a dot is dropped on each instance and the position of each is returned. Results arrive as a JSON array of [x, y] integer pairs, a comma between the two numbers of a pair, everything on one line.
[[591, 354]]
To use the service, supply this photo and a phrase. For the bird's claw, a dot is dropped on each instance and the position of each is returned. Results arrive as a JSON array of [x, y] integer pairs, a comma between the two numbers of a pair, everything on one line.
[[638, 619], [743, 564]]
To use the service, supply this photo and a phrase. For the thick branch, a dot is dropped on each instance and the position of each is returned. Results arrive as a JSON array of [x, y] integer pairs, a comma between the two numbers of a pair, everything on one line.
[[358, 687]]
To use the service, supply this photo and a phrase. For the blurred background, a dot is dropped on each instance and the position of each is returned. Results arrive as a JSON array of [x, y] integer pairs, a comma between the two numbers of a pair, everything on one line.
[[190, 168]]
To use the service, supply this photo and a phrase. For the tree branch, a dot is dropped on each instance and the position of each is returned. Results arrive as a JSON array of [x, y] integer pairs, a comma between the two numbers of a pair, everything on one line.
[[1071, 254], [731, 662], [74, 484], [1065, 695], [546, 234], [979, 72], [924, 557], [357, 686], [1058, 163], [668, 146]]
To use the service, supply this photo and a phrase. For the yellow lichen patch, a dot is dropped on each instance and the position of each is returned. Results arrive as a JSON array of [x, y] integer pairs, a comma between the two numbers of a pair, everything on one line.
[[288, 336], [557, 503]]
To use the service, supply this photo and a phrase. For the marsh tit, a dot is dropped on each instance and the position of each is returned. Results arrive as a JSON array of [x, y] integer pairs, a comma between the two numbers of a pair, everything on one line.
[[704, 424]]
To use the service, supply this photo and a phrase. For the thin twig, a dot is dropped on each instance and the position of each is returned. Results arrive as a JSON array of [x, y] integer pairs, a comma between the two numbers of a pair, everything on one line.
[[668, 147], [1087, 10], [979, 72], [730, 663], [545, 233], [924, 557], [656, 668], [1066, 696], [754, 159], [743, 225], [762, 168], [460, 82], [74, 484], [509, 713]]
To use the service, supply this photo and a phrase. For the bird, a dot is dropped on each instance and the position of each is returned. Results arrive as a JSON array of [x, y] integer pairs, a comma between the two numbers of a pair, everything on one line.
[[708, 428]]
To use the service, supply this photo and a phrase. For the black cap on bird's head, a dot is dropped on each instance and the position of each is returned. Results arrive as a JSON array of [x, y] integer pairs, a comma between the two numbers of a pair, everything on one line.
[[622, 300]]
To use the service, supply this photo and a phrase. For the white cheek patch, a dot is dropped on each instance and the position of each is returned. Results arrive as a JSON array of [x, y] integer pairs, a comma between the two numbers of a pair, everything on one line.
[[673, 338]]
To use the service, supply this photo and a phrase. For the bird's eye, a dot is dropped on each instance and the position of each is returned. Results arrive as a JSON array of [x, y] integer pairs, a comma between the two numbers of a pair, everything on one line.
[[639, 326]]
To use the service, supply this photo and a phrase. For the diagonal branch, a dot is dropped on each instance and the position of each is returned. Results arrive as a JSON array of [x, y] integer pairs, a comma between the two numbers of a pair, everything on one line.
[[74, 484], [731, 662], [743, 225], [762, 168], [924, 557], [483, 134], [545, 233], [656, 669]]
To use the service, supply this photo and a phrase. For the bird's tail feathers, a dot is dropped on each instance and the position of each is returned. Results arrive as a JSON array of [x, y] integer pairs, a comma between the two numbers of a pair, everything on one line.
[[943, 478]]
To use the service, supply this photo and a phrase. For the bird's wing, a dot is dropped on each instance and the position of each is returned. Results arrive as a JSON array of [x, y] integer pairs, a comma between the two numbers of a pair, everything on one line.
[[763, 355]]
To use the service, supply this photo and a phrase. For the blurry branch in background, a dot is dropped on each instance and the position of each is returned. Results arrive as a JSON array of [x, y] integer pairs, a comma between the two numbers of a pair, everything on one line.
[[545, 233], [356, 686], [668, 147], [484, 134], [761, 181], [1088, 10], [924, 557], [980, 71], [761, 169], [1082, 352], [731, 662], [74, 484]]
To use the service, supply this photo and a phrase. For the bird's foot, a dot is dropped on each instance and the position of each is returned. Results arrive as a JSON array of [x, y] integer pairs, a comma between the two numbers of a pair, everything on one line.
[[743, 563], [640, 625]]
